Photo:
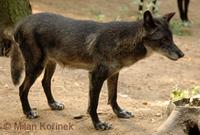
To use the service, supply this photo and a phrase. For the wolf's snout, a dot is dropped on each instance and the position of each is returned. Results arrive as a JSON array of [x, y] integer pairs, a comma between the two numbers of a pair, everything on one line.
[[181, 54], [178, 52], [175, 54]]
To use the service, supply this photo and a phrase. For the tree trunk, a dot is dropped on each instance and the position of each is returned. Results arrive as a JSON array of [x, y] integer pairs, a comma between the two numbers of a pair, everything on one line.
[[184, 115], [11, 11]]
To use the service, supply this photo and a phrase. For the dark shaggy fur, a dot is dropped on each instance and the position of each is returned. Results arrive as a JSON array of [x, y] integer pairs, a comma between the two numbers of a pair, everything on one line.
[[101, 48]]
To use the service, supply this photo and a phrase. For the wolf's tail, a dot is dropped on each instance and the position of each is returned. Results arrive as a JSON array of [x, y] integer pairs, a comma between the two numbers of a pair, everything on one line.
[[17, 61]]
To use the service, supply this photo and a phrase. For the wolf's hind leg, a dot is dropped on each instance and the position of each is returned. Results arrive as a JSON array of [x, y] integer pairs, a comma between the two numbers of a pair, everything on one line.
[[112, 97], [30, 77], [34, 65], [46, 83]]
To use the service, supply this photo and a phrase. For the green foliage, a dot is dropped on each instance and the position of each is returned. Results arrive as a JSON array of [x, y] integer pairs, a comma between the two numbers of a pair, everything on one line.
[[195, 90], [124, 9], [178, 28], [99, 16], [18, 9], [178, 93]]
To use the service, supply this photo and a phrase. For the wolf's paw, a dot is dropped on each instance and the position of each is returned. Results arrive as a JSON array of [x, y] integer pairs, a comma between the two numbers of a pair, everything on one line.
[[56, 106], [102, 126], [32, 114], [124, 114]]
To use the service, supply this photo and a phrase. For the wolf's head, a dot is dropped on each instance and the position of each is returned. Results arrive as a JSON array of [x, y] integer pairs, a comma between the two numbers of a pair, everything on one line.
[[158, 36]]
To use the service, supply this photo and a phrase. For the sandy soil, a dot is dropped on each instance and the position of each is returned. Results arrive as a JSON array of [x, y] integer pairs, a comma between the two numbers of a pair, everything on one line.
[[144, 88]]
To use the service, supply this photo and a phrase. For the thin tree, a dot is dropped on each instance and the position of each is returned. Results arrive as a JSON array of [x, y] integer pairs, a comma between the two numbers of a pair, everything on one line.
[[11, 11]]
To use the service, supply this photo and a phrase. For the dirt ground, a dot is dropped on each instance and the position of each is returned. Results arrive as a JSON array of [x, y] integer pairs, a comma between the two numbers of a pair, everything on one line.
[[144, 88]]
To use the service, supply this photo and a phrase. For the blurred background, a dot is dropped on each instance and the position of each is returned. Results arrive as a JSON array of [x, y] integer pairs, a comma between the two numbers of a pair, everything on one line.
[[144, 88]]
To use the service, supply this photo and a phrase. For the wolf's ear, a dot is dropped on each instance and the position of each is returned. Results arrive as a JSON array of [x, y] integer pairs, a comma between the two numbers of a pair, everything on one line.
[[169, 16], [148, 20]]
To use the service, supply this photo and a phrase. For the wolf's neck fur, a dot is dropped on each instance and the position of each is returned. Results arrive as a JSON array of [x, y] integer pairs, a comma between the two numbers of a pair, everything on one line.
[[132, 46], [134, 37], [139, 34]]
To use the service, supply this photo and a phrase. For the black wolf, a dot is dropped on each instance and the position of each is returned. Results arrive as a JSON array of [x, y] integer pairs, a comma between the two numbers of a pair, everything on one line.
[[103, 49]]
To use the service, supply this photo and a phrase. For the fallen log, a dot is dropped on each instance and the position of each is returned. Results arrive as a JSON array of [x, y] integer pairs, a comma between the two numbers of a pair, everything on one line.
[[184, 115]]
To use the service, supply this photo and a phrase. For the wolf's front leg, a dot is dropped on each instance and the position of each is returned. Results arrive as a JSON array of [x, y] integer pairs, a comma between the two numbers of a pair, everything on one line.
[[96, 79], [112, 97], [46, 83]]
